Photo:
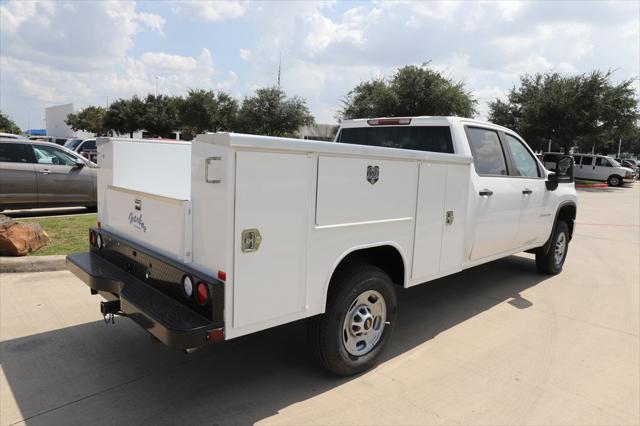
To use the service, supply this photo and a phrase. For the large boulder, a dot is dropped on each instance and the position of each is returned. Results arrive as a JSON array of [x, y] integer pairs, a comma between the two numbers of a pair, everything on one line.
[[21, 238]]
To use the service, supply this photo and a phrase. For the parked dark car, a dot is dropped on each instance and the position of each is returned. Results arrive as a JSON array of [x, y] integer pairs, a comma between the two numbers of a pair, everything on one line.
[[42, 174]]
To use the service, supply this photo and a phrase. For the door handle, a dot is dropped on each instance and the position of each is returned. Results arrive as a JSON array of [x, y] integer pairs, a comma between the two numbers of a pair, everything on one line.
[[486, 192], [45, 171], [527, 191]]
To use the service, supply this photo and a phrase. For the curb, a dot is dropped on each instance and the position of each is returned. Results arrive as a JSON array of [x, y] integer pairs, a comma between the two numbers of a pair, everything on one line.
[[32, 264], [591, 185]]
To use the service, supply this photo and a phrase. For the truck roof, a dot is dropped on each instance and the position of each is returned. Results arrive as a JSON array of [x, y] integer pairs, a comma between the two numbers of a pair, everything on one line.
[[423, 120]]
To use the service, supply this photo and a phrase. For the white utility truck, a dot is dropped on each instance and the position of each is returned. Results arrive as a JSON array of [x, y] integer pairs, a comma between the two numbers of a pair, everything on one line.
[[232, 234]]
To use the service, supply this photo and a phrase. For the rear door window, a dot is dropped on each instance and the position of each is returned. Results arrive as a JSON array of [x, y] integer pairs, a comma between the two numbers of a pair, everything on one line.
[[488, 156], [417, 138], [14, 153], [587, 161]]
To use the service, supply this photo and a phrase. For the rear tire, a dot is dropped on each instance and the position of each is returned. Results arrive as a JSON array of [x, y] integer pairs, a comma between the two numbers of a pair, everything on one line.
[[551, 261], [614, 180], [359, 320]]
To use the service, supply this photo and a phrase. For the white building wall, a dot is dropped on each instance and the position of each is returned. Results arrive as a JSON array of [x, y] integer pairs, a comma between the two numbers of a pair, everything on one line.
[[56, 127]]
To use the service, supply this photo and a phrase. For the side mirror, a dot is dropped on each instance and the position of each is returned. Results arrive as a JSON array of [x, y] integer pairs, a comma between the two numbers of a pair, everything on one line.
[[552, 181], [79, 164], [563, 172]]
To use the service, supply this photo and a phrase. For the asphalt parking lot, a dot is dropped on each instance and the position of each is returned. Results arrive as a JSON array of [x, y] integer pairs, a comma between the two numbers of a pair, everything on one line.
[[497, 344]]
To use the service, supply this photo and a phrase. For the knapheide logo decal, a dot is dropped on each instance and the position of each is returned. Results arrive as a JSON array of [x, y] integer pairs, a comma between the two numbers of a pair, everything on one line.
[[373, 174]]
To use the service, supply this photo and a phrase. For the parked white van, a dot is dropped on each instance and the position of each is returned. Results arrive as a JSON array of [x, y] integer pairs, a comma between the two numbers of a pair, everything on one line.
[[594, 167]]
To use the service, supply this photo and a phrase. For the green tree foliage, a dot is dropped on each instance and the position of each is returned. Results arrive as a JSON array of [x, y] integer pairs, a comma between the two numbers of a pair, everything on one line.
[[269, 112], [125, 116], [90, 119], [7, 125], [161, 117], [411, 91], [203, 110], [583, 110]]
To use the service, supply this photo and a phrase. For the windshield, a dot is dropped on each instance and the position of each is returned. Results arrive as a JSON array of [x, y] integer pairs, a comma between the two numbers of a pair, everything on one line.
[[613, 162], [72, 143], [420, 138]]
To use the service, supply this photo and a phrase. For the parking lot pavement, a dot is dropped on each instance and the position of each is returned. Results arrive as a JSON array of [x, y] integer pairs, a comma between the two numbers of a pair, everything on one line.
[[497, 344]]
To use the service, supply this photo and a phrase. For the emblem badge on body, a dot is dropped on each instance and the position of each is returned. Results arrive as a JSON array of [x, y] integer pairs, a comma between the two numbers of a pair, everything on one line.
[[373, 174]]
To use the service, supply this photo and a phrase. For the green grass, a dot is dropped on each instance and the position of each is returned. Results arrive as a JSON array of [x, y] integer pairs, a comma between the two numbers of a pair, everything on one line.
[[68, 234]]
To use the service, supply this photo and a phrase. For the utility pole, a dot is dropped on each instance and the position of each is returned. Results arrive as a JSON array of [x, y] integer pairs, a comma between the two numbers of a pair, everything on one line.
[[156, 78], [279, 69]]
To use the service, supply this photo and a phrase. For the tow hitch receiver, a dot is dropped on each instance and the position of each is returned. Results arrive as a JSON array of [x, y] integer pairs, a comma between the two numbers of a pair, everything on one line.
[[109, 309]]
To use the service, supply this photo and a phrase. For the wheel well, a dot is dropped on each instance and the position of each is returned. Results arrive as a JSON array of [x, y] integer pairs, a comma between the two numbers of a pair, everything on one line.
[[386, 257], [567, 214]]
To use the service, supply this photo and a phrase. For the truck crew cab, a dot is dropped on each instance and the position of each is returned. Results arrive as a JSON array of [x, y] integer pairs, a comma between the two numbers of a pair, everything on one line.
[[233, 234]]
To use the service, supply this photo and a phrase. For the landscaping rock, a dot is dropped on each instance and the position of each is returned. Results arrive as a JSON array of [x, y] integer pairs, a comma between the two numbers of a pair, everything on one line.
[[21, 238]]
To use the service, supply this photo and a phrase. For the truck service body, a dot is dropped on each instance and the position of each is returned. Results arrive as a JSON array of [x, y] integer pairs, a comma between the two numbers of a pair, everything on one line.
[[232, 234]]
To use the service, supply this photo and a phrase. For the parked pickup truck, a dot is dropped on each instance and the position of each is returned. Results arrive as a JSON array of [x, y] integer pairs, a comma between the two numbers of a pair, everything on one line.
[[232, 234]]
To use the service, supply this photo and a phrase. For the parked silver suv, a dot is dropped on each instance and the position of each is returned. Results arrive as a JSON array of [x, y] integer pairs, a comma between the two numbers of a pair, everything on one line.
[[42, 174]]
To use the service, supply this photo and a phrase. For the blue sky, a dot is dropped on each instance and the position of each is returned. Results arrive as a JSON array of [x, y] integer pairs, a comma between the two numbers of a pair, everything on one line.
[[85, 52]]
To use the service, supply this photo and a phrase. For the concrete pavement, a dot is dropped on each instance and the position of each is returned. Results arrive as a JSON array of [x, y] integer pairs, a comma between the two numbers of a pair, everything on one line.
[[497, 344]]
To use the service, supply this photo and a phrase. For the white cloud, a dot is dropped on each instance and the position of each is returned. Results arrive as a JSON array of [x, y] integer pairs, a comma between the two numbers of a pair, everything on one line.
[[152, 21], [164, 61], [214, 11], [245, 54]]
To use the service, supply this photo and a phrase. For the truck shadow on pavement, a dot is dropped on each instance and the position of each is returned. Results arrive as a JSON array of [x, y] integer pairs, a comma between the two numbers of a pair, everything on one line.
[[103, 374]]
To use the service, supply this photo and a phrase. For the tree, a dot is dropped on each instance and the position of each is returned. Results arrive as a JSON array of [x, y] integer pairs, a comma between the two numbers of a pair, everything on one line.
[[161, 117], [203, 110], [125, 116], [90, 119], [412, 90], [271, 113], [7, 125], [586, 110]]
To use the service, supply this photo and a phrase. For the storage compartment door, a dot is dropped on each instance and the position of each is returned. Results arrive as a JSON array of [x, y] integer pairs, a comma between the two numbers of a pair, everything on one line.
[[456, 198], [273, 193], [430, 220]]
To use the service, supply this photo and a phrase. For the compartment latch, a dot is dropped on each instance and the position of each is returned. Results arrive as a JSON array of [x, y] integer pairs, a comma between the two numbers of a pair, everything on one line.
[[250, 240]]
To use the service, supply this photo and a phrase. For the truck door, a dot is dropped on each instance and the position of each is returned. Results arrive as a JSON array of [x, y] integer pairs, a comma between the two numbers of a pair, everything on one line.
[[603, 168], [495, 197], [535, 210]]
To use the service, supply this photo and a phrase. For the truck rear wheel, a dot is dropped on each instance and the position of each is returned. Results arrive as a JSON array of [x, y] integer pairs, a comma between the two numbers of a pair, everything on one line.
[[551, 261], [359, 319]]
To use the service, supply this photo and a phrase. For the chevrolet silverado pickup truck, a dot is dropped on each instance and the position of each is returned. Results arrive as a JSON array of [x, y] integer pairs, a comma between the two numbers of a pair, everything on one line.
[[232, 234]]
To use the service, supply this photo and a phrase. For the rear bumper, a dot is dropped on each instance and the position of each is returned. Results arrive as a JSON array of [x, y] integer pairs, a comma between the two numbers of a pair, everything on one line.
[[169, 321]]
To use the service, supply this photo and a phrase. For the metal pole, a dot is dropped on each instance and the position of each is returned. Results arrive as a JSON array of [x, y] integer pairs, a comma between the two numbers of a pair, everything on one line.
[[619, 145], [549, 148]]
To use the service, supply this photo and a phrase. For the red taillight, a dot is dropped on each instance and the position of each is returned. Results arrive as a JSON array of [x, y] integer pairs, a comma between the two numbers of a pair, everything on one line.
[[92, 238], [389, 121], [99, 224], [222, 275], [202, 293], [215, 335]]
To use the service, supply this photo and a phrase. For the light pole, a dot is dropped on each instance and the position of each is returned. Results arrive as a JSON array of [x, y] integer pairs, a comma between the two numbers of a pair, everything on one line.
[[156, 78]]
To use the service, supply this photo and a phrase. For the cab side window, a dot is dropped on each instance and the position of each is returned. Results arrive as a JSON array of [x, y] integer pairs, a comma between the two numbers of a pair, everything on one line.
[[587, 161], [14, 153], [50, 155], [603, 162], [488, 156], [523, 162]]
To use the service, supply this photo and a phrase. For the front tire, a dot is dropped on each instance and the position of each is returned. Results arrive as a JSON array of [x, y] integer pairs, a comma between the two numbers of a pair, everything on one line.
[[551, 261], [359, 319], [614, 180]]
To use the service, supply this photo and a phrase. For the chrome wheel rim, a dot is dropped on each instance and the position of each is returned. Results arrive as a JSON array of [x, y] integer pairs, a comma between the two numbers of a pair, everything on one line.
[[614, 181], [560, 248], [364, 323]]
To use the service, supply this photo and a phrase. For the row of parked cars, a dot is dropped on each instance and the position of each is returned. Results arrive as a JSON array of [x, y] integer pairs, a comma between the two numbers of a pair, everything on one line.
[[594, 167]]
